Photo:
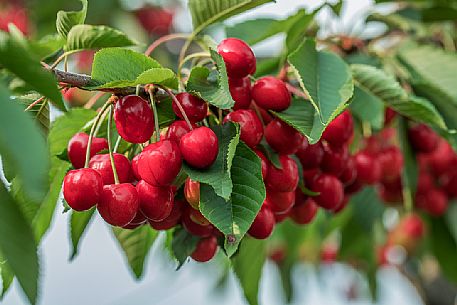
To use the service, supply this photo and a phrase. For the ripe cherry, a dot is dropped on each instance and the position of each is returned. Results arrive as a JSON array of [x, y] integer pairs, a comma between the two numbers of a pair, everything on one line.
[[441, 159], [369, 169], [135, 172], [240, 89], [172, 220], [134, 119], [309, 175], [155, 20], [176, 130], [284, 179], [423, 139], [331, 191], [271, 93], [195, 223], [238, 57], [263, 224], [335, 159], [310, 155], [304, 210], [280, 202], [408, 232], [391, 162], [251, 129], [265, 163], [199, 147], [434, 201], [137, 221], [102, 164], [77, 147], [389, 115], [160, 163], [342, 205], [349, 173], [283, 138], [195, 108], [82, 188], [205, 250], [156, 203], [118, 204], [192, 193], [340, 130]]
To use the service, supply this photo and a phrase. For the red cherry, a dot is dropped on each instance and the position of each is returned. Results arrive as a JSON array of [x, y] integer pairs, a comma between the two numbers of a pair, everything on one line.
[[391, 192], [263, 224], [137, 221], [199, 147], [192, 193], [449, 182], [310, 155], [205, 250], [240, 89], [329, 253], [102, 164], [271, 93], [434, 201], [304, 210], [284, 179], [309, 175], [331, 191], [354, 187], [156, 203], [423, 138], [160, 163], [335, 160], [264, 162], [176, 130], [238, 57], [441, 159], [340, 130], [264, 114], [82, 188], [195, 108], [283, 138], [280, 217], [135, 167], [194, 222], [251, 129], [342, 205], [280, 202], [391, 162], [389, 115], [172, 220], [155, 20], [408, 232], [118, 204], [77, 147], [349, 173], [369, 169]]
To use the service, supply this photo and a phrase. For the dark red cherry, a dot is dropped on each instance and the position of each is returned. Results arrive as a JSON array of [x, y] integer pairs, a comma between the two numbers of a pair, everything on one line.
[[280, 202], [340, 130], [389, 115], [194, 222], [82, 188], [134, 119], [304, 210], [156, 203], [271, 93], [335, 159], [349, 173], [331, 191], [102, 164], [192, 193], [195, 108], [391, 162], [283, 138], [342, 204], [441, 159], [135, 172], [423, 139], [369, 169], [205, 250], [160, 163], [263, 224], [251, 129], [309, 175], [238, 57], [77, 147], [434, 201], [137, 221], [284, 179], [449, 182], [118, 204], [265, 163], [310, 155], [176, 130], [172, 220], [199, 148], [240, 89]]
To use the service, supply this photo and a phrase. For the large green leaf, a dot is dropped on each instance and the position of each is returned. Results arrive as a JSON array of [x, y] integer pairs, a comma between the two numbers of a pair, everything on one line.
[[444, 248], [84, 36], [18, 246], [182, 245], [367, 108], [207, 12], [235, 216], [66, 20], [78, 224], [247, 265], [411, 171], [40, 111], [136, 245], [213, 87], [218, 175], [325, 77], [7, 276]]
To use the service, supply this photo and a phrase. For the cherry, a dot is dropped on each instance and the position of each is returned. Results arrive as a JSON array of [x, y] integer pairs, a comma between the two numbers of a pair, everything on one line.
[[278, 254], [263, 224], [335, 159], [240, 89], [264, 114], [155, 20], [172, 220], [424, 181], [310, 155], [449, 182], [309, 175], [342, 205], [349, 173], [138, 221], [391, 162], [284, 179], [354, 187], [280, 217], [423, 138], [77, 147], [134, 119], [195, 223], [391, 191], [118, 204], [283, 138], [156, 203], [304, 210], [205, 250], [176, 130], [441, 159], [160, 163], [82, 188], [434, 201], [192, 193], [238, 57], [340, 130], [408, 232], [389, 115], [271, 93], [195, 108], [264, 162], [280, 202], [369, 169], [135, 167], [251, 129], [199, 147], [329, 253], [102, 164], [330, 189]]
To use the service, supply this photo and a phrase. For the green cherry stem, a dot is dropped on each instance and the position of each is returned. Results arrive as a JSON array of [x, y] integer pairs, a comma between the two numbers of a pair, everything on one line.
[[116, 145], [111, 157], [156, 116], [93, 132]]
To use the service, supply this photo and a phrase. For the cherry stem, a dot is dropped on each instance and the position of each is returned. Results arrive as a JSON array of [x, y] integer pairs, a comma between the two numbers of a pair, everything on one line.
[[116, 145], [60, 58], [111, 157], [189, 57], [34, 103], [91, 102], [163, 39], [93, 132], [156, 116], [297, 91], [170, 93]]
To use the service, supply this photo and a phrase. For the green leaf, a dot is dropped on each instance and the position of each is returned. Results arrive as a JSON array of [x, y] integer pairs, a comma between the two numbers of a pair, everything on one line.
[[7, 276], [325, 77], [136, 245], [182, 245], [248, 265], [234, 217], [78, 224], [207, 12], [18, 246], [444, 248], [84, 36], [367, 108], [213, 87], [218, 175], [411, 171], [40, 111], [67, 20], [47, 45]]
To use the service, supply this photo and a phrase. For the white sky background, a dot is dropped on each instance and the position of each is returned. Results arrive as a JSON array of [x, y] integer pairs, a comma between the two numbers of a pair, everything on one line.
[[99, 275]]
